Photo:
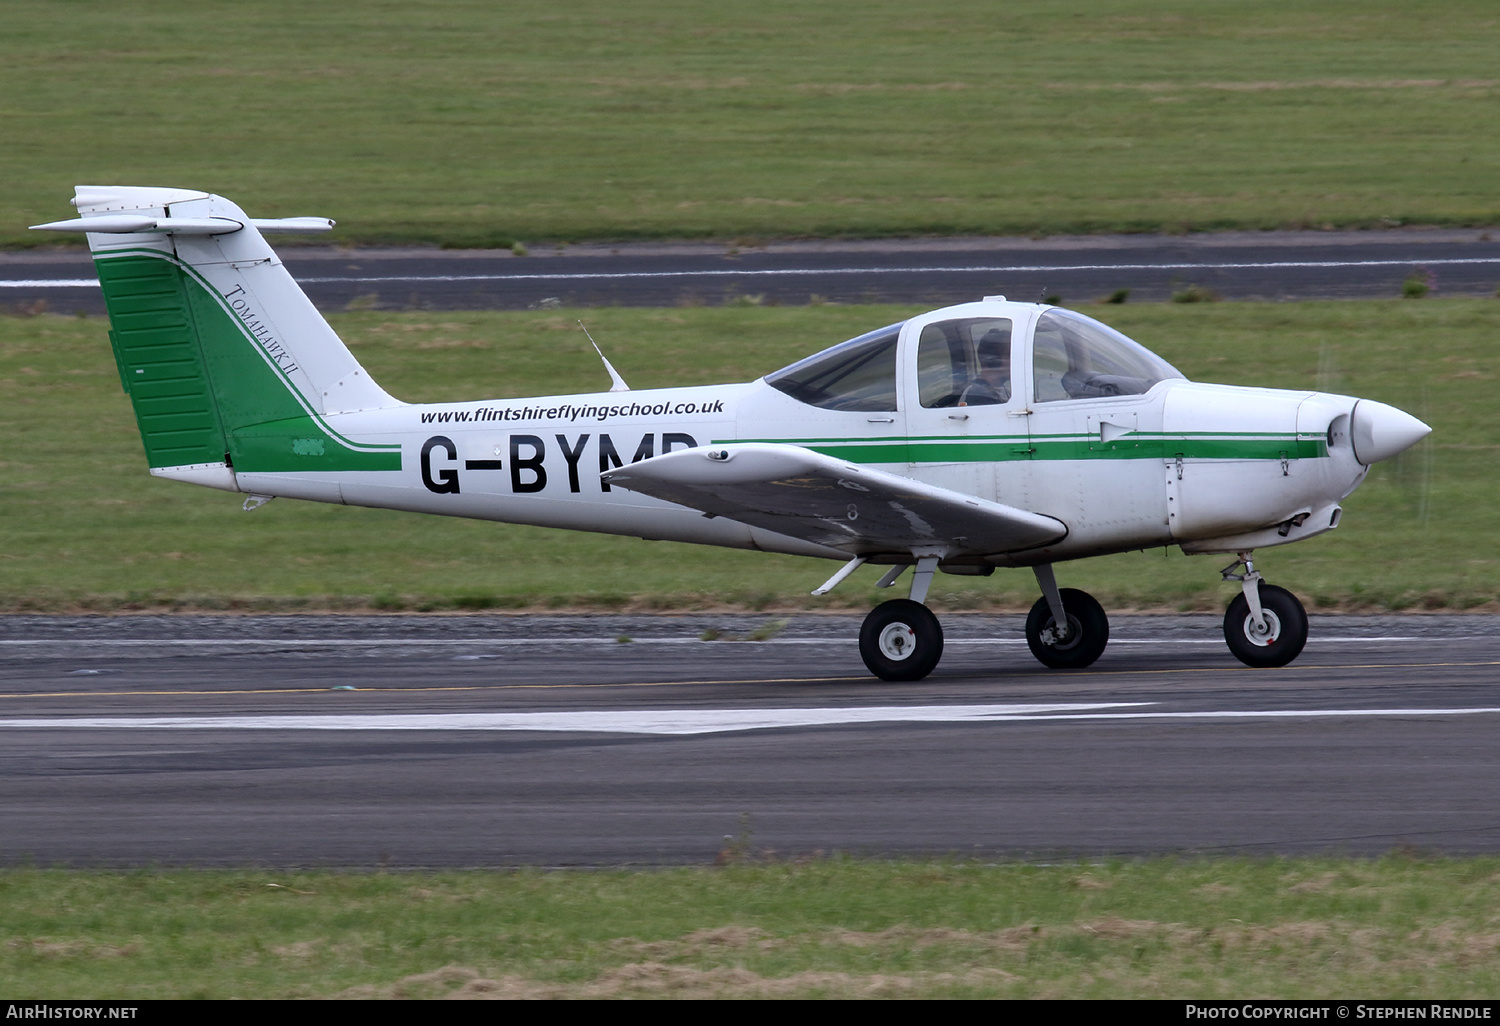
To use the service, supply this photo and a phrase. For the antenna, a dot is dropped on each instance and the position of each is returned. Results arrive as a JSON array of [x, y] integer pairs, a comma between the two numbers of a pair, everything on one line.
[[614, 376]]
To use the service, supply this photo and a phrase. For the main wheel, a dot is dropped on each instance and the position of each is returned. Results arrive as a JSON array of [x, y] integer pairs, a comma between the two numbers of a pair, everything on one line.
[[901, 640], [1283, 636], [1084, 641]]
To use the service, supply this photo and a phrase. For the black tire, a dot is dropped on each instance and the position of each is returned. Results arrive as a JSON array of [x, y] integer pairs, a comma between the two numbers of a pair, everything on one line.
[[901, 640], [1288, 622], [1088, 631]]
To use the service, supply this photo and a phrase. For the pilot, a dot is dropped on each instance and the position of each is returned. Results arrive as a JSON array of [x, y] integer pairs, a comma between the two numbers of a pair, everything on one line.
[[991, 383]]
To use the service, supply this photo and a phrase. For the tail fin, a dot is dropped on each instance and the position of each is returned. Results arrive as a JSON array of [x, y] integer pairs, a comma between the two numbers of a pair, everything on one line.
[[228, 364]]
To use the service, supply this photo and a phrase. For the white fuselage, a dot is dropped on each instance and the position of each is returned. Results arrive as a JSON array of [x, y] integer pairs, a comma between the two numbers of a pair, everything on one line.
[[1185, 464]]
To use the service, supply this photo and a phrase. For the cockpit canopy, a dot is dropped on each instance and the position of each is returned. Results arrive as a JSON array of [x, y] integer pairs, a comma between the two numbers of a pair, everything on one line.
[[859, 374], [1076, 357], [966, 360]]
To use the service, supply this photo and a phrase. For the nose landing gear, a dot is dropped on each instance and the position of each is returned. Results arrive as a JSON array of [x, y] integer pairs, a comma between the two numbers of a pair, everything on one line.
[[1265, 626]]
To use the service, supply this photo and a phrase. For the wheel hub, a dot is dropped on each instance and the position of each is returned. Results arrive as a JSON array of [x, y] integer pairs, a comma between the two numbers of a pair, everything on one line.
[[897, 642], [1263, 635], [1054, 638]]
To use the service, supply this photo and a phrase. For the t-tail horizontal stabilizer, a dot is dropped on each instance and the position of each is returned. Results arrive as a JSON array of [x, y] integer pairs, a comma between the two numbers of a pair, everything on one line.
[[131, 224]]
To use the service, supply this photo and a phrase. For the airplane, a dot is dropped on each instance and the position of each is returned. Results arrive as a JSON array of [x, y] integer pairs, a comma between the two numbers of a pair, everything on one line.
[[983, 435]]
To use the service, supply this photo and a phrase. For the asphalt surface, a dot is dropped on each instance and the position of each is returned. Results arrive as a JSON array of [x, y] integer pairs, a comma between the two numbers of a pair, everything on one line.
[[593, 740], [1240, 265]]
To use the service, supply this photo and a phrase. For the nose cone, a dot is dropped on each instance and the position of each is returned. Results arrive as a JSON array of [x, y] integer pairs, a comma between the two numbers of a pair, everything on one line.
[[1379, 431]]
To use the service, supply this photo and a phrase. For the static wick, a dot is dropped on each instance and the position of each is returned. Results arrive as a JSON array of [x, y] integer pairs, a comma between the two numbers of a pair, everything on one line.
[[614, 375]]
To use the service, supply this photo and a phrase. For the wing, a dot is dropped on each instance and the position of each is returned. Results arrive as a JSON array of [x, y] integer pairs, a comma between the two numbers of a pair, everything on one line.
[[797, 492]]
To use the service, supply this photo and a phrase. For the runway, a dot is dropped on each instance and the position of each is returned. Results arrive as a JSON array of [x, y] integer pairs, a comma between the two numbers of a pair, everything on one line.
[[609, 740], [1238, 265]]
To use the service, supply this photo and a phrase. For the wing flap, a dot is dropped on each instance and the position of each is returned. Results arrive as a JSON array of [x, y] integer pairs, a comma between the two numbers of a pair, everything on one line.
[[859, 510]]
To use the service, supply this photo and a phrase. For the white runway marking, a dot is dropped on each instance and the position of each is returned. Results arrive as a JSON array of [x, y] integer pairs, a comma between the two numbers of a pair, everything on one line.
[[92, 643], [703, 721], [622, 721]]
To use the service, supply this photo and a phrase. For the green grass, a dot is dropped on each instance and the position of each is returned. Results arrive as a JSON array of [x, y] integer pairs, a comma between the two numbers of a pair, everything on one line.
[[470, 123], [1398, 927], [83, 526]]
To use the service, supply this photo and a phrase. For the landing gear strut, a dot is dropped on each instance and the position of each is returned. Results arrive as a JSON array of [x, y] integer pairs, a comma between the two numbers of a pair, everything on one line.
[[1066, 629], [1265, 625]]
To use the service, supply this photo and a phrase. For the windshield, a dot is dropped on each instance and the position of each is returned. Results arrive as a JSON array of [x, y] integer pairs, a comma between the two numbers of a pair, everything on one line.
[[859, 374], [1076, 357]]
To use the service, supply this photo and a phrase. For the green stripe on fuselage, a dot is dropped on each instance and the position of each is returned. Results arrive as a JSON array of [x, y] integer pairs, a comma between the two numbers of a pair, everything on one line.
[[1002, 448]]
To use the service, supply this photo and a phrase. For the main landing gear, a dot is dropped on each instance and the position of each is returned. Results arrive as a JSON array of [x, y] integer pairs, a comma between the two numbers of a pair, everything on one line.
[[902, 639], [1067, 628], [1265, 625]]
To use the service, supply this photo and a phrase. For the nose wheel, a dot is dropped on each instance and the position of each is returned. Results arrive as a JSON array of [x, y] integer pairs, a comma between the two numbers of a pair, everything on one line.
[[1265, 626], [901, 640], [1277, 638]]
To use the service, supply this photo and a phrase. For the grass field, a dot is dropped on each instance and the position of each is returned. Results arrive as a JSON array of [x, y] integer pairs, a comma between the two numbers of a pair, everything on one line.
[[470, 123], [465, 123], [85, 527], [1399, 927]]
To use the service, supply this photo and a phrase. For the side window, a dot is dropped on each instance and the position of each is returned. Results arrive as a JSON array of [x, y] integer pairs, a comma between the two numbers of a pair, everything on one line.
[[1076, 357], [1049, 365], [856, 375], [964, 362]]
